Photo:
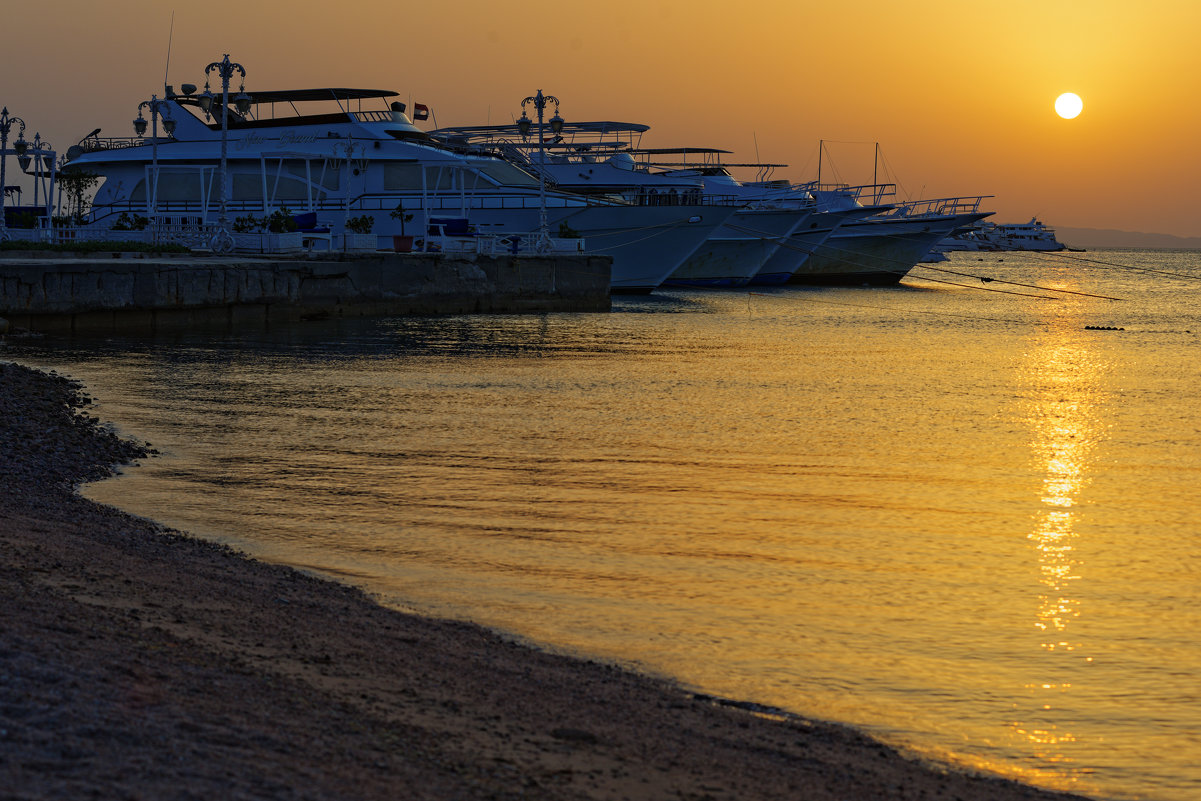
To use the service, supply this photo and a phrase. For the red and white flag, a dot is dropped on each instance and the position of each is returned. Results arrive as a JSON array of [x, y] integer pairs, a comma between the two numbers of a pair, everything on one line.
[[421, 111]]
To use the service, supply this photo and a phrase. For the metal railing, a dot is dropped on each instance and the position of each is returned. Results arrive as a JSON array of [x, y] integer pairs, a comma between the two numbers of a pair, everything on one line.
[[938, 207], [96, 144]]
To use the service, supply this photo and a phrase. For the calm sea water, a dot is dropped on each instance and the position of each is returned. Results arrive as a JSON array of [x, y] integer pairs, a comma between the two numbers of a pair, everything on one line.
[[954, 516]]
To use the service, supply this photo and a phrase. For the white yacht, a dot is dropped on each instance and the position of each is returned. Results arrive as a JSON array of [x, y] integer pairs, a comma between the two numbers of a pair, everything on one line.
[[881, 249], [604, 158], [329, 154], [735, 254], [784, 263], [1033, 235]]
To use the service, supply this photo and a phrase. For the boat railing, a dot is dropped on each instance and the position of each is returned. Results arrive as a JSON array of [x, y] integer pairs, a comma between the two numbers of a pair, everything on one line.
[[499, 243], [867, 194], [96, 144], [938, 207], [197, 235]]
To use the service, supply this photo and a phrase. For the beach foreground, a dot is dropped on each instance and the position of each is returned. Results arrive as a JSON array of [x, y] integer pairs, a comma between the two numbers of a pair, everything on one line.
[[138, 662]]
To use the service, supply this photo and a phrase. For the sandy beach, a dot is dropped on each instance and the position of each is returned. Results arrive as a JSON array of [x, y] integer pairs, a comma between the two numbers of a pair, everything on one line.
[[139, 662]]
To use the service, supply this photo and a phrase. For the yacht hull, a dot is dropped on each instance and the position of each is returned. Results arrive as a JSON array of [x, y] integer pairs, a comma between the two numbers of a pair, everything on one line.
[[647, 243], [736, 251], [807, 238], [877, 252]]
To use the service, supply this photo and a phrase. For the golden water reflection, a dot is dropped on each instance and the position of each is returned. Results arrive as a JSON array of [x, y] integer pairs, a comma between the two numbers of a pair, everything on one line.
[[1065, 375]]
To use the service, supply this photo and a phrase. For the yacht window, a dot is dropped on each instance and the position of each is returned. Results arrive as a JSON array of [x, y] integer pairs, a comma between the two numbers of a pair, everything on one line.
[[297, 167], [508, 174], [288, 189], [330, 179], [445, 178], [470, 179], [402, 176], [172, 188], [247, 187]]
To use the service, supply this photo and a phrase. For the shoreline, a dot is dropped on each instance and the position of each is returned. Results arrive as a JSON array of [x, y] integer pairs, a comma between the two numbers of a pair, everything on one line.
[[140, 661]]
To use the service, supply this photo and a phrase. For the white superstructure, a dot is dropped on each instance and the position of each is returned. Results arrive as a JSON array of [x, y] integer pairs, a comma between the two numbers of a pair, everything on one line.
[[325, 154], [1033, 235]]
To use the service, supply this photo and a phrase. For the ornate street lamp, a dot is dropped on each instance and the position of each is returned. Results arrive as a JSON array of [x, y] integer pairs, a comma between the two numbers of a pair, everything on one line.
[[354, 165], [556, 125], [158, 108], [41, 155], [222, 242], [19, 148]]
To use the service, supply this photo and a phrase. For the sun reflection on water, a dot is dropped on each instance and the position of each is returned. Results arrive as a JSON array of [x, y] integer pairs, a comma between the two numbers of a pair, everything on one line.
[[1064, 415]]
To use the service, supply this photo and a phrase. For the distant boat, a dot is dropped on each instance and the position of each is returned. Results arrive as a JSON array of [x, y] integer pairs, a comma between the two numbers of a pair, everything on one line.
[[1033, 235]]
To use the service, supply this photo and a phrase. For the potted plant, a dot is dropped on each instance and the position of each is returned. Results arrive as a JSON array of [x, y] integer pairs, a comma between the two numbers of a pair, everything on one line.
[[402, 243], [358, 234]]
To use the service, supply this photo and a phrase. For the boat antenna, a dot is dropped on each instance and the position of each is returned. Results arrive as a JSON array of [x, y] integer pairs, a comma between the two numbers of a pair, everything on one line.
[[756, 136], [170, 36]]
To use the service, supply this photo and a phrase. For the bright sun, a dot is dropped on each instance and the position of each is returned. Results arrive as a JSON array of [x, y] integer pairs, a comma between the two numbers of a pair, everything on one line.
[[1069, 105]]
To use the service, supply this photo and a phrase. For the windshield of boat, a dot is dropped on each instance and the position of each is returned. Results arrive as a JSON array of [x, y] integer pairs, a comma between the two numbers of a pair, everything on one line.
[[506, 174]]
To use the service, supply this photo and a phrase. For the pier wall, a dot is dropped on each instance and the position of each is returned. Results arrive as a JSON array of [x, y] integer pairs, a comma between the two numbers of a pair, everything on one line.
[[53, 293]]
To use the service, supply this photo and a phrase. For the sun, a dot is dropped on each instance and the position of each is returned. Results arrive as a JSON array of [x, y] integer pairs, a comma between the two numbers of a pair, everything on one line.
[[1069, 105]]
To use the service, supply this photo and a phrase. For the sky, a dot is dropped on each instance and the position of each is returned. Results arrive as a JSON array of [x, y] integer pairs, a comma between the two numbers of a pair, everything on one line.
[[959, 96]]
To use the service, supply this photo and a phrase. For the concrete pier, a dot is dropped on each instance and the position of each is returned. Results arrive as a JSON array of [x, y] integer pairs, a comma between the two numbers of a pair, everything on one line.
[[56, 292]]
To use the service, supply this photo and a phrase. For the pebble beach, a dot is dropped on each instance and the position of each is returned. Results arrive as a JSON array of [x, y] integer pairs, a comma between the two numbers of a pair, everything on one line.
[[140, 662]]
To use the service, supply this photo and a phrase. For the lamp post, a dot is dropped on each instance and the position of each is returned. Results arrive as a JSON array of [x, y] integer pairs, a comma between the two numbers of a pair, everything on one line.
[[222, 242], [556, 125], [353, 167], [19, 148], [40, 154], [157, 108]]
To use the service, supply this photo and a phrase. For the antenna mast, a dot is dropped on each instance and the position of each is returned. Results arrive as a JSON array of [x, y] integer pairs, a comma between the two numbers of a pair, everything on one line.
[[170, 36]]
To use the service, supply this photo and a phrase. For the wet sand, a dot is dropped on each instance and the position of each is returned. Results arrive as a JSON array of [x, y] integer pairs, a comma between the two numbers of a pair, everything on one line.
[[139, 662]]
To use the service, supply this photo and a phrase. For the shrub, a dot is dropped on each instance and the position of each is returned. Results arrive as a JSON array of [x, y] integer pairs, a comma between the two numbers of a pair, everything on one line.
[[127, 223]]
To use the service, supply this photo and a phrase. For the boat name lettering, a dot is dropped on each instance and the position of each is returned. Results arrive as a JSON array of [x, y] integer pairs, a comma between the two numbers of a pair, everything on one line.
[[252, 139], [293, 138]]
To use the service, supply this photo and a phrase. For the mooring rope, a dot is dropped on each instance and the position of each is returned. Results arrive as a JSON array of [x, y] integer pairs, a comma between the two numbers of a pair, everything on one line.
[[1059, 254], [1011, 283]]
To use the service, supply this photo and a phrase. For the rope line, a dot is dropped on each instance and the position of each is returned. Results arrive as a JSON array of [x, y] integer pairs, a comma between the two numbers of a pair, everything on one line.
[[1012, 283], [984, 288], [1062, 255]]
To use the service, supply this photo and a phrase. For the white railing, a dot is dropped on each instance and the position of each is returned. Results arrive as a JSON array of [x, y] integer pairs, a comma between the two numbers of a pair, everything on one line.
[[199, 237], [497, 244]]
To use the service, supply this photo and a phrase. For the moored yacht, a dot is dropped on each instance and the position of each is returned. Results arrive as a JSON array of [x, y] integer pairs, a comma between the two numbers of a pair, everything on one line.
[[1034, 235], [604, 158], [767, 216], [347, 165], [881, 249]]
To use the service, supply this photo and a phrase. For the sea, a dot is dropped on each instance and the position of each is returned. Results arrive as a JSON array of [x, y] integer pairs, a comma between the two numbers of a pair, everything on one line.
[[962, 514]]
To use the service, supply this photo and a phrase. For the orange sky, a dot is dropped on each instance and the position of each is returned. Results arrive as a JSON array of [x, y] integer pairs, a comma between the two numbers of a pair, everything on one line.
[[959, 95]]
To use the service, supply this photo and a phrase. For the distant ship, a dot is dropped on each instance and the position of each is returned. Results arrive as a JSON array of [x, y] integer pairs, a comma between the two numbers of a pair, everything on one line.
[[1033, 235]]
